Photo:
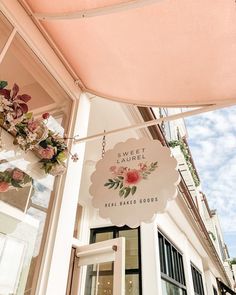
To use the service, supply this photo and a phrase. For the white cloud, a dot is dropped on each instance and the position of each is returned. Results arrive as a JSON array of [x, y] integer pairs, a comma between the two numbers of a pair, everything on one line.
[[212, 139]]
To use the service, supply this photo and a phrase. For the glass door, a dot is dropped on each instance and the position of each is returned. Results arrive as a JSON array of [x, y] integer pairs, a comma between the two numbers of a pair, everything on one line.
[[98, 269]]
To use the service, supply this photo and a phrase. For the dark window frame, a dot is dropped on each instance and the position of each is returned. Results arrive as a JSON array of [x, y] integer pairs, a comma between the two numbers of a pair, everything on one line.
[[197, 278], [171, 262], [115, 230]]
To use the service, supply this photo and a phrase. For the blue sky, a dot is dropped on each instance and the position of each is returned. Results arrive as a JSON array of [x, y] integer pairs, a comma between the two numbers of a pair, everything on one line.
[[212, 139]]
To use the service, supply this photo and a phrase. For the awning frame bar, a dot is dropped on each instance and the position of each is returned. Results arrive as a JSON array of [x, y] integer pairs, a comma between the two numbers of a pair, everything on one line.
[[155, 122], [114, 8]]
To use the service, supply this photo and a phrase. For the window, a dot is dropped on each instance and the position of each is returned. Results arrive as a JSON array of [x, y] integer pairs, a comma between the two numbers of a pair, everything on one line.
[[25, 213], [132, 261], [172, 269], [12, 257], [6, 29], [197, 281]]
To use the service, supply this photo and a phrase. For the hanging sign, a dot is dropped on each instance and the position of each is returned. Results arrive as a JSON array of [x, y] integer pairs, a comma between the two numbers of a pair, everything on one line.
[[134, 181]]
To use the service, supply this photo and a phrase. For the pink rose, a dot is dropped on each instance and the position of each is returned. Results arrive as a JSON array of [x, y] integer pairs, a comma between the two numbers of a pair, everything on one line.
[[4, 186], [17, 175], [45, 116], [113, 169], [121, 170], [142, 166], [132, 177], [47, 153], [33, 125]]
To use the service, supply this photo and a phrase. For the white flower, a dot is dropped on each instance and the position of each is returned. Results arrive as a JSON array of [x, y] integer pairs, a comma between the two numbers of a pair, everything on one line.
[[4, 104], [20, 140], [31, 136], [57, 169], [10, 117]]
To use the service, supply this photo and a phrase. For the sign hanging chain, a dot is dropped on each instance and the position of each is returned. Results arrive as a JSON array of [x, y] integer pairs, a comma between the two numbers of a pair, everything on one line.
[[103, 144]]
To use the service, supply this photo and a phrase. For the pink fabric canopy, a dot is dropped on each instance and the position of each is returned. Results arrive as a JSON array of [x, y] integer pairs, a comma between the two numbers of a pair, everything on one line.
[[157, 53]]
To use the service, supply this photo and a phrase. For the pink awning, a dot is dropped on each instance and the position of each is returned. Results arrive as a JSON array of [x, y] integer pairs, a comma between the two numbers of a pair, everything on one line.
[[157, 53]]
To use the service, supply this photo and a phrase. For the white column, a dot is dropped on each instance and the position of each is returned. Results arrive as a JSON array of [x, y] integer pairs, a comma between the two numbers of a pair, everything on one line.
[[151, 273], [55, 271], [209, 283]]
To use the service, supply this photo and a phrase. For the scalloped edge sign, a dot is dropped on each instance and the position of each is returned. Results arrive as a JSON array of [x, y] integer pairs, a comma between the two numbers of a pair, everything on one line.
[[134, 181]]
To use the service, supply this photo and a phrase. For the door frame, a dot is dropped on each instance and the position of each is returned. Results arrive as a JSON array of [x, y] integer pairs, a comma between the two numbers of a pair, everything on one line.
[[106, 251]]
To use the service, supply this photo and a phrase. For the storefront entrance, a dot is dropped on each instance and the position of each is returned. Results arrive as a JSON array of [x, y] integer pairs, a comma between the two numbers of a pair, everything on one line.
[[98, 269]]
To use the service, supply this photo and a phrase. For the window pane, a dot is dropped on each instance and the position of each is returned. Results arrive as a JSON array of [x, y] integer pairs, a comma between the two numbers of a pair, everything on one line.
[[197, 281], [171, 289], [98, 283], [11, 263], [105, 285], [131, 248], [5, 29], [162, 253], [100, 237], [132, 284], [21, 66], [22, 221], [171, 260]]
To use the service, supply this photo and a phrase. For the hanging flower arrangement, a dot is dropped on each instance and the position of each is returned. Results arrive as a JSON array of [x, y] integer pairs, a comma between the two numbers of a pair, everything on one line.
[[13, 178], [30, 133]]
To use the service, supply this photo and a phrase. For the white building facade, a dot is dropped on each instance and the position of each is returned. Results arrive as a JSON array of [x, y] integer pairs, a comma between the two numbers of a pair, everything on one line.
[[52, 240]]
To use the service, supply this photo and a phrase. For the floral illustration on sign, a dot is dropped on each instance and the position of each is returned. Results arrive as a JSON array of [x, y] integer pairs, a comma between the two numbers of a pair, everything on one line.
[[30, 133], [13, 178], [126, 179]]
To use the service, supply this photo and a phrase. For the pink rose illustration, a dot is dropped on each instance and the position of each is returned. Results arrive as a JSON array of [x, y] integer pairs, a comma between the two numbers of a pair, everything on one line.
[[132, 177], [125, 179], [4, 186], [46, 153], [17, 175], [143, 166], [121, 170]]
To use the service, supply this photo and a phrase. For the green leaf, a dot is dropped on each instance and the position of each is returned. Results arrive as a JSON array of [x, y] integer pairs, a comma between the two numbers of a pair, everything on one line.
[[107, 183], [110, 180], [117, 180], [15, 183], [3, 84], [43, 144], [29, 116], [127, 191], [121, 185], [120, 177], [111, 185], [27, 179], [133, 190], [116, 185], [121, 193], [61, 157]]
